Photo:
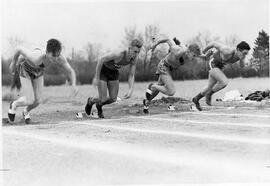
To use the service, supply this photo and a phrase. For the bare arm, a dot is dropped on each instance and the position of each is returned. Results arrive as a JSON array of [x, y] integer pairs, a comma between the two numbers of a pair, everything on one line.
[[108, 57], [207, 55], [131, 80], [71, 73], [212, 45], [171, 43], [242, 63]]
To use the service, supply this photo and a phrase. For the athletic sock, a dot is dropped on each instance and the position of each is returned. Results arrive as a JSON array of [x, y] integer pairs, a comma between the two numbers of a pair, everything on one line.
[[196, 99]]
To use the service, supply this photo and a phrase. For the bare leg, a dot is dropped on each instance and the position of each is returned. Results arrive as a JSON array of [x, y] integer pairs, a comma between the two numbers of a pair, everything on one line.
[[211, 83], [113, 88], [222, 80], [27, 94], [102, 92], [31, 96], [151, 96], [167, 86], [37, 89]]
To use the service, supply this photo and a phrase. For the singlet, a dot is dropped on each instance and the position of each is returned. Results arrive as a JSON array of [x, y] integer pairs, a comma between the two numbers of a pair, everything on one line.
[[174, 64], [220, 63], [113, 65], [26, 69]]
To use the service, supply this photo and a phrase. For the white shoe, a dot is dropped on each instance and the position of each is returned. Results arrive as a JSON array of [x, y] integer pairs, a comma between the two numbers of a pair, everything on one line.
[[11, 112], [26, 116]]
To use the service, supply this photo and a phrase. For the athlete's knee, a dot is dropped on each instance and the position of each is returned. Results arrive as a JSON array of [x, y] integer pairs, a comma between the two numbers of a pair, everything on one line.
[[171, 92]]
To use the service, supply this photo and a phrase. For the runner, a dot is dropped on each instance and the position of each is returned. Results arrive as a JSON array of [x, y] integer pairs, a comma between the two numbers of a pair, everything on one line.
[[107, 76], [217, 80], [28, 69], [176, 57]]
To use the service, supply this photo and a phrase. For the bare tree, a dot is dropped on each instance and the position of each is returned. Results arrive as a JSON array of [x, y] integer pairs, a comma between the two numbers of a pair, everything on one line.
[[232, 40], [14, 42], [203, 39], [93, 50]]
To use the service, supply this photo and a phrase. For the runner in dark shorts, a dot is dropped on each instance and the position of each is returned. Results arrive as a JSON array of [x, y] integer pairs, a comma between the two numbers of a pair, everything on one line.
[[217, 80], [174, 59], [107, 76]]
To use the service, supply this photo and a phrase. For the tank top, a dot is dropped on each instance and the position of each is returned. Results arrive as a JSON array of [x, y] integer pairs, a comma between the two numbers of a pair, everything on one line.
[[113, 65], [32, 71], [218, 59], [174, 64]]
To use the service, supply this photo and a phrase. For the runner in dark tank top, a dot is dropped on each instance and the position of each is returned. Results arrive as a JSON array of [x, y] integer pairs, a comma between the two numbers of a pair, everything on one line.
[[107, 76], [176, 57], [217, 80]]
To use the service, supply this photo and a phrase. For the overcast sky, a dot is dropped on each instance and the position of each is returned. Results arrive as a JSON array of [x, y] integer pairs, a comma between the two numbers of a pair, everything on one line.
[[76, 23]]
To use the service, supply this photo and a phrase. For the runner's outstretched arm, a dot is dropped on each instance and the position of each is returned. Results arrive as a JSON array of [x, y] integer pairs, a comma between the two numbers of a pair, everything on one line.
[[71, 73], [212, 45], [171, 43], [131, 80]]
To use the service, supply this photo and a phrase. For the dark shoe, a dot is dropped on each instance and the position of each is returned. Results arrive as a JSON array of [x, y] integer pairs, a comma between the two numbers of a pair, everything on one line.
[[145, 107], [100, 112], [196, 99], [26, 116], [149, 92], [11, 113], [208, 98], [88, 106], [197, 104]]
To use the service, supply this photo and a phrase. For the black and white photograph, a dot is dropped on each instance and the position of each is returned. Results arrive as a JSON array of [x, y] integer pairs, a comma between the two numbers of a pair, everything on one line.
[[135, 93]]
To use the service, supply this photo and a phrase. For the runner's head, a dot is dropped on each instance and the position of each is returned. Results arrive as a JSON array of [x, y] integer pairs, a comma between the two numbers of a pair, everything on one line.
[[193, 51], [242, 49], [134, 49], [53, 48]]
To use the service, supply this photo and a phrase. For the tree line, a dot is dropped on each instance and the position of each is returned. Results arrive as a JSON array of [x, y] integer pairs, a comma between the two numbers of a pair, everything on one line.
[[257, 65]]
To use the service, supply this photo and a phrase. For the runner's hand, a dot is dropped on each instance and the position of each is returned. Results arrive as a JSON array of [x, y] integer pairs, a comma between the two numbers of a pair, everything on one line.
[[128, 95]]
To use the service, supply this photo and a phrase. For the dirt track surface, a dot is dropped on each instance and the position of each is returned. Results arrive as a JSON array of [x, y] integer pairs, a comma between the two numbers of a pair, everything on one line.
[[228, 143]]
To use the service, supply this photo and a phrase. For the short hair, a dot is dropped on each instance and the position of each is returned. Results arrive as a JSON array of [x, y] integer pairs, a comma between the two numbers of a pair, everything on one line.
[[136, 43], [54, 46], [243, 46], [194, 48]]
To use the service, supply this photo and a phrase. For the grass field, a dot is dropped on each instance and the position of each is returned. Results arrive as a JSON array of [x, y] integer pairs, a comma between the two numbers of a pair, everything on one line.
[[223, 145], [57, 98]]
